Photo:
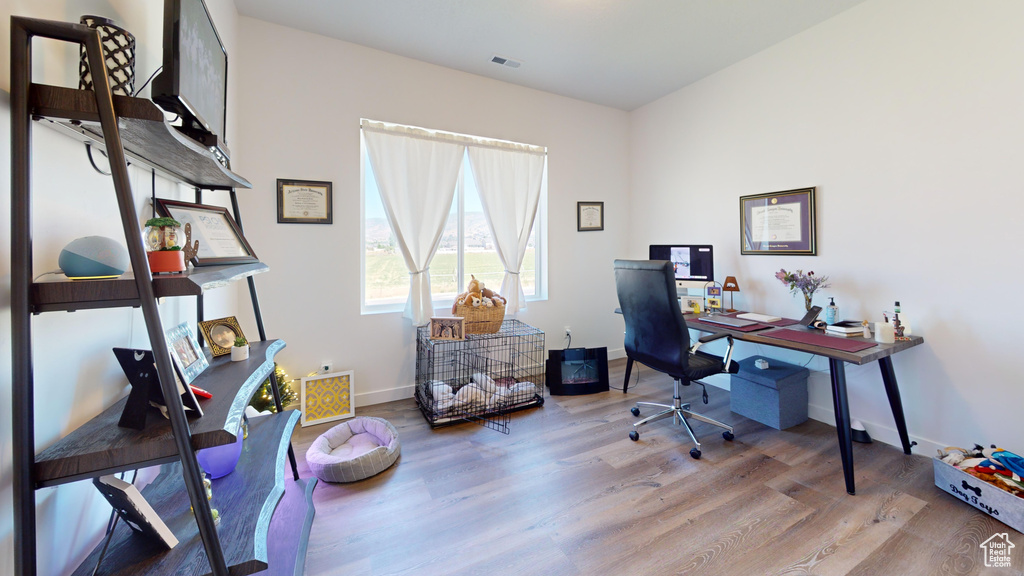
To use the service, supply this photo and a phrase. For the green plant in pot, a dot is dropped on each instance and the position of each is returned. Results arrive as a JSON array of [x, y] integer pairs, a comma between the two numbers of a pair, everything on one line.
[[161, 240], [240, 351]]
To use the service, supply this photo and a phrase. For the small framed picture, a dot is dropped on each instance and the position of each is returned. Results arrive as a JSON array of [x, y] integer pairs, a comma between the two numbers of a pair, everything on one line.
[[714, 303], [188, 356], [690, 304], [304, 202], [714, 290], [448, 328], [220, 334], [589, 216], [220, 239], [326, 397]]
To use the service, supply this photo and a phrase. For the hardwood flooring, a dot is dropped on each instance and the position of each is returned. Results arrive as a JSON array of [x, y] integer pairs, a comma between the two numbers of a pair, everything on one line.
[[567, 492]]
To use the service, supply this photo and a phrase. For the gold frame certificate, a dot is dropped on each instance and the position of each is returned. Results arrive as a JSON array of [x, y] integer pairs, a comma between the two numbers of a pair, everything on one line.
[[304, 202]]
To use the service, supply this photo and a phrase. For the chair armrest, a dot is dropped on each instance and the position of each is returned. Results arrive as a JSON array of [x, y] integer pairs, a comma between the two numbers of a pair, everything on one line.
[[711, 338]]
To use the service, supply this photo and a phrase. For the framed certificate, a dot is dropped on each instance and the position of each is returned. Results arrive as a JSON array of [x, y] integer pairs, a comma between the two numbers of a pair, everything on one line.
[[304, 202], [220, 238], [589, 216], [778, 223]]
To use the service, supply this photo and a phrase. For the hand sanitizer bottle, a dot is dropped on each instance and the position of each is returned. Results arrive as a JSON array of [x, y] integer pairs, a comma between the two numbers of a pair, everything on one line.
[[831, 311]]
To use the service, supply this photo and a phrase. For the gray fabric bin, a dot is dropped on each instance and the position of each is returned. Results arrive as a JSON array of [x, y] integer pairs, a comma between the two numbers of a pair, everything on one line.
[[775, 396]]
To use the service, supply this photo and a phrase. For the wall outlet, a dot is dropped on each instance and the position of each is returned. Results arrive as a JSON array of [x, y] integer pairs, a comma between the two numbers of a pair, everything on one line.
[[326, 367], [568, 331]]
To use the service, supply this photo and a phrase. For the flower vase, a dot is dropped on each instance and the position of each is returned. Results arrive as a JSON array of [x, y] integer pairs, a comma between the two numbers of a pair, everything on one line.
[[808, 301]]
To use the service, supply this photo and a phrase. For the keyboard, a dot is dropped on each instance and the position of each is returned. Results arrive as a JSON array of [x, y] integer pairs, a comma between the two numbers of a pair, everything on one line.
[[758, 317]]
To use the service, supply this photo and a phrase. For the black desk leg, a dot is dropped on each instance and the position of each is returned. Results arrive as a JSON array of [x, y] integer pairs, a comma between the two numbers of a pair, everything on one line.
[[892, 390], [629, 369], [837, 370]]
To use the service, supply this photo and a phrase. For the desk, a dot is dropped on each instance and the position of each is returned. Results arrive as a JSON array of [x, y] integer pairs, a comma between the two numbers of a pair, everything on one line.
[[837, 359]]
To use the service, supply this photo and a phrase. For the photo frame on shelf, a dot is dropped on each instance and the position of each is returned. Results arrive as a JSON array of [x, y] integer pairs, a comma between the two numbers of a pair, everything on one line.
[[589, 216], [220, 334], [778, 223], [448, 328], [188, 357], [140, 368], [304, 202], [133, 508], [326, 398], [220, 239]]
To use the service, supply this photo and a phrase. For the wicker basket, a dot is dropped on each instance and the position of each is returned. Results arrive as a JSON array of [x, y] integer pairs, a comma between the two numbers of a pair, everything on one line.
[[481, 319]]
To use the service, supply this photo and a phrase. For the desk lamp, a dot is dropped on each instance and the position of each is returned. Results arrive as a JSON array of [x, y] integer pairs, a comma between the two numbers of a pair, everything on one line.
[[730, 286]]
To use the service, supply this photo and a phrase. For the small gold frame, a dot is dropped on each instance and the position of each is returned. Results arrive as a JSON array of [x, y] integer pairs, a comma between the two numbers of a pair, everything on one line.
[[220, 334]]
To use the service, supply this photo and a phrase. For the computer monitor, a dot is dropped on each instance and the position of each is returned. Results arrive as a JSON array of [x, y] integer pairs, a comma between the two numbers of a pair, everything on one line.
[[694, 263]]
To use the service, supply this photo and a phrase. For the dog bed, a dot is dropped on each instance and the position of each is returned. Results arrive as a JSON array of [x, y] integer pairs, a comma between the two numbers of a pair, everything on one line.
[[357, 449]]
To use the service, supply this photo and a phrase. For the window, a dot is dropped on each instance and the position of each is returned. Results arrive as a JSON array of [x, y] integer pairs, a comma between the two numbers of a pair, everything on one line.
[[466, 247]]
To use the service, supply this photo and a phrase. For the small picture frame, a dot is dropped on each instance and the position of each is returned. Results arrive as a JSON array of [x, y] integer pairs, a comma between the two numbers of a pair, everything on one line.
[[326, 398], [304, 202], [220, 239], [133, 508], [220, 334], [589, 216], [714, 290], [188, 356], [715, 303], [448, 328], [690, 304]]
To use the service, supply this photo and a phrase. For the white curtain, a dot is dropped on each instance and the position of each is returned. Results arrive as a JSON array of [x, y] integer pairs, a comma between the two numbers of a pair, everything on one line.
[[508, 178], [416, 172]]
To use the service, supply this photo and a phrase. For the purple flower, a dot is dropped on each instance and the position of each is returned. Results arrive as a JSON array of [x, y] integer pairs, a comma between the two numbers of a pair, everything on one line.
[[807, 283]]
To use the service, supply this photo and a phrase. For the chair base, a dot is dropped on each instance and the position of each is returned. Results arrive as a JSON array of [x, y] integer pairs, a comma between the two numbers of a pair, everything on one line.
[[680, 413]]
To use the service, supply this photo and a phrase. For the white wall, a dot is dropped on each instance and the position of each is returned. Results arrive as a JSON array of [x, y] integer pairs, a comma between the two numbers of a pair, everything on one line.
[[907, 117], [76, 374], [302, 96]]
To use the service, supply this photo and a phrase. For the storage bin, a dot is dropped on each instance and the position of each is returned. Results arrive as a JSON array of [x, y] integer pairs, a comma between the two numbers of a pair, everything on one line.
[[999, 504], [775, 396]]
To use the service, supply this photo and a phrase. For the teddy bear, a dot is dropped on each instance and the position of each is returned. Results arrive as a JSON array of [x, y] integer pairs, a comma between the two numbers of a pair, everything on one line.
[[477, 295]]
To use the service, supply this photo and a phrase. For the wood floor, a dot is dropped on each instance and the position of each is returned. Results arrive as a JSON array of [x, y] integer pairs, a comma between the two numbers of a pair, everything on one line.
[[567, 492]]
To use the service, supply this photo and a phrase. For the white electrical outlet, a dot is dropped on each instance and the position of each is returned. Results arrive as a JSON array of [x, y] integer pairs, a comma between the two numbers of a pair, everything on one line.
[[568, 331], [326, 367]]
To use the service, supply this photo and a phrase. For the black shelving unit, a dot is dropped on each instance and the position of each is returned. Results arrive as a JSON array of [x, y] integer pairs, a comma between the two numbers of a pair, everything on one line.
[[250, 496]]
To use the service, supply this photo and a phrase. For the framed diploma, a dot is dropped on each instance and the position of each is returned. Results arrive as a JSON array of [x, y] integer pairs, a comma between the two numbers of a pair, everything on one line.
[[778, 223], [304, 202], [589, 216], [220, 239]]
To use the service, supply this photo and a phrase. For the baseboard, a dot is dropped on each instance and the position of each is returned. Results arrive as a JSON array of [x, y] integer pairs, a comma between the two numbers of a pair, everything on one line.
[[382, 396], [884, 433]]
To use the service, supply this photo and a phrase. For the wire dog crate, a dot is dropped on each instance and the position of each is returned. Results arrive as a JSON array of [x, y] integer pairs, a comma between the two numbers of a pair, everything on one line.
[[481, 379]]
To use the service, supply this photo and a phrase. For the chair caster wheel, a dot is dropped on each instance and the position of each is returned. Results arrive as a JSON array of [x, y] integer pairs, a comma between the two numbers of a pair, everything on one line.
[[728, 435], [695, 453], [635, 411], [634, 435]]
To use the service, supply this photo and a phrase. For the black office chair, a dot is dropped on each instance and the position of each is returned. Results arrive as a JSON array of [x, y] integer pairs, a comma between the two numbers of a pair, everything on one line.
[[657, 336]]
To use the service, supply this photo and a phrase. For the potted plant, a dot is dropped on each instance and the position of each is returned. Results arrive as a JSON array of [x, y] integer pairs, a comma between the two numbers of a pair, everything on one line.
[[162, 249], [240, 351]]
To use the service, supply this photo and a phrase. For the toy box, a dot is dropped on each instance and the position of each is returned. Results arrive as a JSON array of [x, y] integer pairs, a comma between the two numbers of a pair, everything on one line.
[[999, 504]]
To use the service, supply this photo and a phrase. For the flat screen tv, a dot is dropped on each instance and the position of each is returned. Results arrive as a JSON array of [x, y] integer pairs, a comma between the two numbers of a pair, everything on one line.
[[694, 264], [194, 80]]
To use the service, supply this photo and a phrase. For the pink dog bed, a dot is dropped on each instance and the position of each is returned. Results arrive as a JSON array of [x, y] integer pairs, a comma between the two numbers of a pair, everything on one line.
[[360, 448]]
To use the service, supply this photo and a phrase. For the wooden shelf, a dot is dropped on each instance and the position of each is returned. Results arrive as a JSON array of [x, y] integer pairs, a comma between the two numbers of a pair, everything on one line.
[[246, 499], [145, 135], [101, 447], [289, 530], [56, 292]]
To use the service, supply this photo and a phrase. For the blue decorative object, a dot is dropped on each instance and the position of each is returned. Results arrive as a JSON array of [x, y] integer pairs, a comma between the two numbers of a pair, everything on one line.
[[93, 257], [220, 460]]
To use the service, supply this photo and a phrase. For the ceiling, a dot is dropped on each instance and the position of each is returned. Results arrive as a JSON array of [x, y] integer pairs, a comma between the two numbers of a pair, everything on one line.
[[618, 53]]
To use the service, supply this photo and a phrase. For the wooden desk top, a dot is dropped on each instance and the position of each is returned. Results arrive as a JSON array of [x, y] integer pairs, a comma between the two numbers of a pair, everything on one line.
[[762, 337]]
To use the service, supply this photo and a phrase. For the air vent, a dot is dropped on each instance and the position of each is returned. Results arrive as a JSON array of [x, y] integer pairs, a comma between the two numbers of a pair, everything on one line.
[[506, 61]]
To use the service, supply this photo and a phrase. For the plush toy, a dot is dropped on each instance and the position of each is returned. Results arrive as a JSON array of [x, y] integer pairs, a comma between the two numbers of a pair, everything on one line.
[[475, 289], [494, 296]]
